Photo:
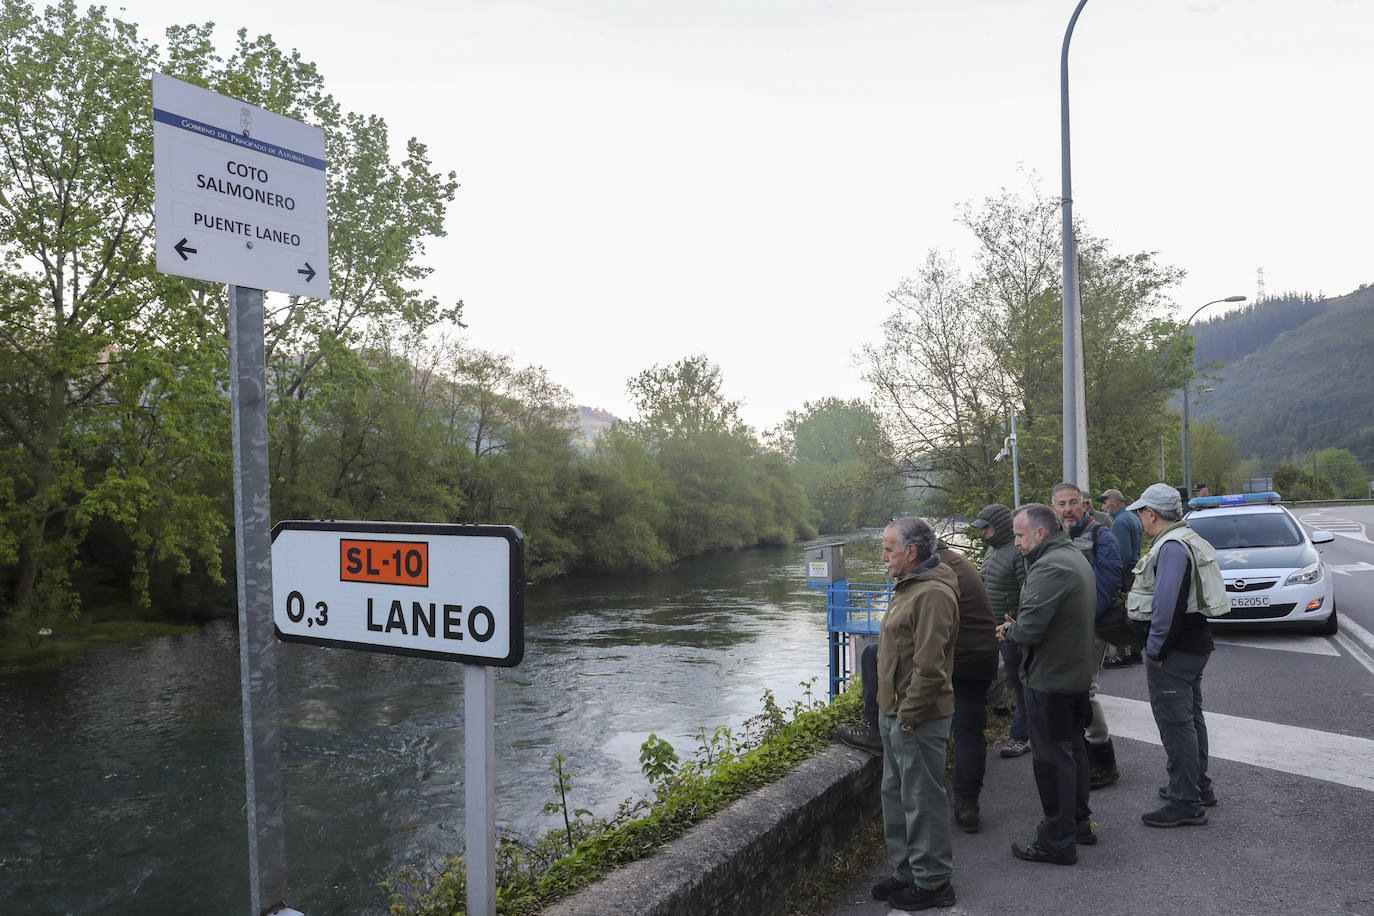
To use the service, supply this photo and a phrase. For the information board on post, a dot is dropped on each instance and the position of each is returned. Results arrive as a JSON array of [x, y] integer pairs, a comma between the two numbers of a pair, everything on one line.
[[406, 588], [241, 192]]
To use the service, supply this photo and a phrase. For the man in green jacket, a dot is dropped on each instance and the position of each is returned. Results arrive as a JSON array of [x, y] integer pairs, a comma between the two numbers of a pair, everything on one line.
[[1055, 632], [915, 706]]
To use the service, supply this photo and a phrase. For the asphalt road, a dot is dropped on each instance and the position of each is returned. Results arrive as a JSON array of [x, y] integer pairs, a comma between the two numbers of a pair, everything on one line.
[[1291, 719]]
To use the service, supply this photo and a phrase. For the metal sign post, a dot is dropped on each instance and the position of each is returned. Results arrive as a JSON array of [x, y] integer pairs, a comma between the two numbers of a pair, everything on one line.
[[479, 787], [257, 648]]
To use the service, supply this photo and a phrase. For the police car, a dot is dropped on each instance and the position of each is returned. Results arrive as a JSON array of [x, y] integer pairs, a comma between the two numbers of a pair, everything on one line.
[[1273, 572]]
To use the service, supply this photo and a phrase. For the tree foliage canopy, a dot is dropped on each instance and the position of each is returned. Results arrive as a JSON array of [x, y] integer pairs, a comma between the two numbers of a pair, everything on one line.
[[960, 349]]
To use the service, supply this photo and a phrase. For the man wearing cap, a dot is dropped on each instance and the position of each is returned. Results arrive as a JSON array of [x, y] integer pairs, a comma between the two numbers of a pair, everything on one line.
[[1129, 537], [1004, 569], [1163, 608]]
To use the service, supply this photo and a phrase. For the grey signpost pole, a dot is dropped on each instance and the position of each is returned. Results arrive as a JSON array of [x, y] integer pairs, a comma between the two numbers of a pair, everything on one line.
[[257, 640], [479, 761], [1075, 426]]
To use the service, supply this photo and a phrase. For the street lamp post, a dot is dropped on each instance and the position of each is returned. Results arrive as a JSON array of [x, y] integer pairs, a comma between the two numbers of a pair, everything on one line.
[[1075, 411], [1187, 452]]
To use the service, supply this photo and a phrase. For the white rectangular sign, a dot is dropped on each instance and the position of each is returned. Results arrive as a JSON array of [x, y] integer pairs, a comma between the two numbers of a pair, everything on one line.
[[439, 591], [241, 193]]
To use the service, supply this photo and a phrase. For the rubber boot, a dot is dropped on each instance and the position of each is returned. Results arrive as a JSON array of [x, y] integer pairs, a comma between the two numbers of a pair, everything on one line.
[[966, 812], [1102, 769]]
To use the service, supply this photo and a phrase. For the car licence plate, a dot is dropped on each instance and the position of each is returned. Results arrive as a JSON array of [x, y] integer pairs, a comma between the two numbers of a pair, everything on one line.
[[1249, 601]]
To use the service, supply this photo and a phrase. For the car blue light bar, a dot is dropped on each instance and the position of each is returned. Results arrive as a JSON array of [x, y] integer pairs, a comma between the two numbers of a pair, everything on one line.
[[1268, 498]]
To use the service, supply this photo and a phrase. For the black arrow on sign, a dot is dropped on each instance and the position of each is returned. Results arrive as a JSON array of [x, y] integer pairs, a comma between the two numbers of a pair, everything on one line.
[[309, 272], [182, 248]]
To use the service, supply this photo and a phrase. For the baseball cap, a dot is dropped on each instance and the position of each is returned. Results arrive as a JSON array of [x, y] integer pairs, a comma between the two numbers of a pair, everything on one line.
[[1112, 494], [1158, 496]]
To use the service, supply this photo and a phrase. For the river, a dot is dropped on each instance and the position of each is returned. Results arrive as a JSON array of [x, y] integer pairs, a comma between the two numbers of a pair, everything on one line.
[[123, 772]]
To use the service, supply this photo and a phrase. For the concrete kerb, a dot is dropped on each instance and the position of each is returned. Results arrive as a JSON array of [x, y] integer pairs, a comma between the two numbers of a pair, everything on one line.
[[744, 859]]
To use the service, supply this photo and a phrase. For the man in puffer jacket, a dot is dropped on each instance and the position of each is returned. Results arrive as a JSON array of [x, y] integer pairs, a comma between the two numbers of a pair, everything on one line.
[[1004, 569]]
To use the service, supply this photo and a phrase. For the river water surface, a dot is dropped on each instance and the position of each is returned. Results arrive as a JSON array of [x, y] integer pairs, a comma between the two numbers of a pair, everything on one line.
[[122, 774]]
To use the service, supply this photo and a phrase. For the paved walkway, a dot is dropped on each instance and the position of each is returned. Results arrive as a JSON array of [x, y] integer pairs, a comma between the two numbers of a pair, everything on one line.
[[1284, 838]]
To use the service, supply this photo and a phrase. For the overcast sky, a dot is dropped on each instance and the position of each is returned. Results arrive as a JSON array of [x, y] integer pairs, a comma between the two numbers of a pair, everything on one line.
[[643, 180]]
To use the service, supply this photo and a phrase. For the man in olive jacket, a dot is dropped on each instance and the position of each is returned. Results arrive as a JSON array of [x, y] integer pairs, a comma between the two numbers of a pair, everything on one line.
[[915, 705], [1055, 632]]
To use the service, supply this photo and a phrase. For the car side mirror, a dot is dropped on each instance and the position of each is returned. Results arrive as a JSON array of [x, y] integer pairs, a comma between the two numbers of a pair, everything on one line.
[[1322, 537]]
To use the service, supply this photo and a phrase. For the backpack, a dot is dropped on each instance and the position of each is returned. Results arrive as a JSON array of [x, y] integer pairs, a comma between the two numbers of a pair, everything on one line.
[[1112, 624]]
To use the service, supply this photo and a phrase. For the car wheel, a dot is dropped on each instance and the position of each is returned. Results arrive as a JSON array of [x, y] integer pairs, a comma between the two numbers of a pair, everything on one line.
[[1329, 626]]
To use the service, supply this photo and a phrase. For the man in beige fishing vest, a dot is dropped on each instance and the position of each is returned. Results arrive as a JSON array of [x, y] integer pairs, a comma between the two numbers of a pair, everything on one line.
[[1164, 611]]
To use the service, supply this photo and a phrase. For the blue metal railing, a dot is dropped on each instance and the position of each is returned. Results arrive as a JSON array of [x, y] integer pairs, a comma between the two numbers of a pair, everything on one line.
[[851, 608]]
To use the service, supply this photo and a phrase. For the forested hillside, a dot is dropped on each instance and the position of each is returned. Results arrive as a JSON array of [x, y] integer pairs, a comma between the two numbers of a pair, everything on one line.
[[1295, 376]]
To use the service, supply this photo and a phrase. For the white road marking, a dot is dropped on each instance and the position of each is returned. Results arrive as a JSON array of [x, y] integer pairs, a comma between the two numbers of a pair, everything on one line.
[[1349, 634], [1312, 645], [1355, 651], [1345, 527], [1346, 569], [1351, 628], [1342, 759]]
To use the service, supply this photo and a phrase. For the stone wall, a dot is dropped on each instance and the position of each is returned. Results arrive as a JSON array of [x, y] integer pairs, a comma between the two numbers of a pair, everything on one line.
[[745, 858]]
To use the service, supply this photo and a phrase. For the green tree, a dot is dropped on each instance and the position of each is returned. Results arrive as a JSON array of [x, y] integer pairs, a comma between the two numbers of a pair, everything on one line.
[[1340, 468], [958, 351], [1293, 482], [845, 461], [627, 506], [109, 410], [723, 482], [1216, 456], [83, 316]]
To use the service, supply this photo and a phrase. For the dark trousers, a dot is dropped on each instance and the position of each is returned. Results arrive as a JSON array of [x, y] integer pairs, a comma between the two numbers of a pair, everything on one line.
[[1011, 658], [970, 739], [1060, 762], [1176, 699], [967, 727]]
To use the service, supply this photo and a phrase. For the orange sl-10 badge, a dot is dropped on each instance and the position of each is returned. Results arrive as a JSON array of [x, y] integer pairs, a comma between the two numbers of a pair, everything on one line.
[[385, 562]]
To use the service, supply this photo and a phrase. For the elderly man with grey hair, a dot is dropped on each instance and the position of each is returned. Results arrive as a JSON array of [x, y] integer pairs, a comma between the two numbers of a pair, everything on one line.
[[915, 708]]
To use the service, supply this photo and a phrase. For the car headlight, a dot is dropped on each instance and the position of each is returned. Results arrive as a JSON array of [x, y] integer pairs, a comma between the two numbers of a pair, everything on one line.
[[1306, 575]]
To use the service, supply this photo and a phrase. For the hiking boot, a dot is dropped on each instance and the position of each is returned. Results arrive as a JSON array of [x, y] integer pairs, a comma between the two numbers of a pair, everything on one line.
[[862, 737], [1015, 747], [885, 889], [1086, 834], [1033, 851], [1207, 796], [1102, 769], [1169, 816], [966, 812], [912, 898], [1122, 661]]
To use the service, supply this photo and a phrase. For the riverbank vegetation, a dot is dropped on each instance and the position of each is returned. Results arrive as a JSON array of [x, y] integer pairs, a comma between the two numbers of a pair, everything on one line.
[[725, 766]]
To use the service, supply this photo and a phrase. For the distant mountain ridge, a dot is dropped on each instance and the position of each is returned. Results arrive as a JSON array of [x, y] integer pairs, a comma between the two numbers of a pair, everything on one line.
[[1296, 375], [592, 421]]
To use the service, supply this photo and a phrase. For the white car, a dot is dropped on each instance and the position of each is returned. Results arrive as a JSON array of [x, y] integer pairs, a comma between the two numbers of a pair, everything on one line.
[[1274, 574]]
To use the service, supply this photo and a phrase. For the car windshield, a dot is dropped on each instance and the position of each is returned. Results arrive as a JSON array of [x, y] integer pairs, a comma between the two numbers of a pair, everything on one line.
[[1269, 529]]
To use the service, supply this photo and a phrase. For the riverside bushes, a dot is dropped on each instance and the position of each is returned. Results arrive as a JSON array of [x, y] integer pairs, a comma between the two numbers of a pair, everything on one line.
[[725, 766]]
